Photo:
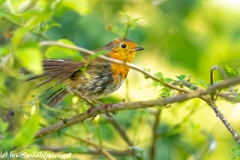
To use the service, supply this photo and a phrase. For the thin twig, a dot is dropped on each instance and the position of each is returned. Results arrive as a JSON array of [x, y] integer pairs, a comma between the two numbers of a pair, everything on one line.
[[155, 134], [18, 25], [223, 74], [121, 131], [229, 96], [77, 149], [97, 147], [212, 104]]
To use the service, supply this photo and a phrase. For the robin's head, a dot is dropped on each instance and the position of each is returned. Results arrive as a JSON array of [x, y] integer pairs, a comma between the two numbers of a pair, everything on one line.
[[122, 49]]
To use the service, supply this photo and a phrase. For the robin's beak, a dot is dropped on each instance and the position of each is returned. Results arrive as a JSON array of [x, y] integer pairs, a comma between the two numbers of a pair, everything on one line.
[[138, 48]]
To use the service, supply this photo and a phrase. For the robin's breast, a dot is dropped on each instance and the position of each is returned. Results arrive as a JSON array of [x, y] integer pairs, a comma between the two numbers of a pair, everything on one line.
[[97, 81]]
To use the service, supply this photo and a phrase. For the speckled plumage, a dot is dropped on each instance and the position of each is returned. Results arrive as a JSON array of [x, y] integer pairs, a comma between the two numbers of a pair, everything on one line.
[[100, 78]]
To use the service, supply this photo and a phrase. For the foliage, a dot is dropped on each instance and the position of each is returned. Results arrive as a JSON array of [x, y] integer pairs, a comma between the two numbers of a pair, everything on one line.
[[180, 38]]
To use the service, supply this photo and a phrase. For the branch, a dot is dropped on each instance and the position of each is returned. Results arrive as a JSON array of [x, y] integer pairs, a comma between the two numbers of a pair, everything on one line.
[[77, 149], [141, 104]]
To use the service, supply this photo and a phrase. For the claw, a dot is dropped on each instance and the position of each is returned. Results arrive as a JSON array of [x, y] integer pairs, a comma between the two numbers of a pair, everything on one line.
[[105, 106], [90, 110]]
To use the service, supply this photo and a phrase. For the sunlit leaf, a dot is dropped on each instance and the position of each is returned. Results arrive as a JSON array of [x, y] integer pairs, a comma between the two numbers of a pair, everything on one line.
[[165, 92], [17, 37], [62, 132], [2, 1], [132, 22], [10, 17], [159, 75], [4, 50], [235, 151], [181, 77], [82, 7], [3, 127], [30, 57], [97, 54], [233, 70], [55, 52], [16, 4], [168, 80], [28, 131], [48, 26], [7, 142], [148, 70], [202, 83]]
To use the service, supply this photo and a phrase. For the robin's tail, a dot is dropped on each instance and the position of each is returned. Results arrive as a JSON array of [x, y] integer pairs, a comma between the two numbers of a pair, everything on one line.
[[53, 70], [58, 98]]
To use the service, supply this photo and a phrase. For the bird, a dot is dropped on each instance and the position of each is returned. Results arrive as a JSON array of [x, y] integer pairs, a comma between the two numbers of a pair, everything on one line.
[[99, 79]]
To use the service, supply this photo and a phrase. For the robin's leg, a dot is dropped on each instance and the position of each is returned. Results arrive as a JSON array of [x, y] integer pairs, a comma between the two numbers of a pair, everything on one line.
[[105, 106], [85, 98]]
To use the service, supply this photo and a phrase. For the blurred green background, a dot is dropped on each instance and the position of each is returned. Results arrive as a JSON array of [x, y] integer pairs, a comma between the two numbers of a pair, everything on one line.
[[180, 37]]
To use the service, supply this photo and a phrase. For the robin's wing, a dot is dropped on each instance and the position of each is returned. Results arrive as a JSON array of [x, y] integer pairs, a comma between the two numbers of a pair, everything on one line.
[[55, 69]]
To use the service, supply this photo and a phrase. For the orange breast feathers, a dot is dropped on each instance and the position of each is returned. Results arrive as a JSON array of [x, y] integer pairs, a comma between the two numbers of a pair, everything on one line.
[[123, 54]]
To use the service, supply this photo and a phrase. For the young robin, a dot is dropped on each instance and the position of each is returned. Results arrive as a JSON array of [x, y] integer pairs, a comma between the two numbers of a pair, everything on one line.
[[104, 77]]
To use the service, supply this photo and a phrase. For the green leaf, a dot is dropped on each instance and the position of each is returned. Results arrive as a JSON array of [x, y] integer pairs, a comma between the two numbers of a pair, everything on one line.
[[82, 8], [2, 1], [97, 54], [53, 24], [217, 82], [55, 52], [168, 80], [10, 17], [30, 57], [116, 30], [16, 4], [233, 70], [17, 37], [62, 132], [235, 151], [148, 70], [3, 127], [165, 92], [33, 18], [181, 77], [202, 83], [4, 50], [159, 75], [7, 142], [132, 22], [28, 131]]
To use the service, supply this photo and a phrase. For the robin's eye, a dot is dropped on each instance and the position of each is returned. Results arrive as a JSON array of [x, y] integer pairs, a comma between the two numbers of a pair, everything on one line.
[[123, 45]]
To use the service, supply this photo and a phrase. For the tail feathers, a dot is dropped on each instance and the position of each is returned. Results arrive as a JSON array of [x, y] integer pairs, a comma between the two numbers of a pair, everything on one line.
[[58, 98], [55, 69]]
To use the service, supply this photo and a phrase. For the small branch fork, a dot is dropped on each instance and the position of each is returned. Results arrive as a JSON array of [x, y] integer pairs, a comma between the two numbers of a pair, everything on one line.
[[187, 94]]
